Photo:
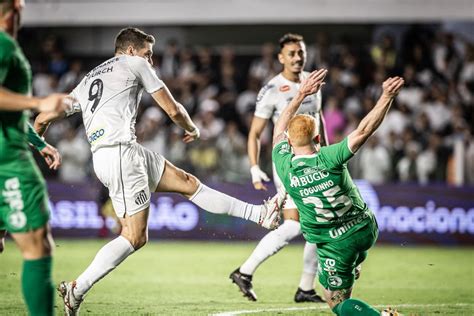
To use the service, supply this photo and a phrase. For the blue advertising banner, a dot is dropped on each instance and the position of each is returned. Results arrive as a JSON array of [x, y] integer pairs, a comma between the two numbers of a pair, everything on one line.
[[406, 214]]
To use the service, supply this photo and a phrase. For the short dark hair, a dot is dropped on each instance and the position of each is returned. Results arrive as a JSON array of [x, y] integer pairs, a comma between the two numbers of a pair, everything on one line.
[[290, 38], [131, 36]]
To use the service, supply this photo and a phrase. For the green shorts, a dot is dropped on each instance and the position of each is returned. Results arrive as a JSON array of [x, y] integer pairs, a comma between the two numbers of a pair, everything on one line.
[[337, 260], [23, 202]]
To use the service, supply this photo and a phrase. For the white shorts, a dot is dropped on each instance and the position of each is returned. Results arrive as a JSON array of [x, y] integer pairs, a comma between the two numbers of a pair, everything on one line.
[[289, 203], [131, 173]]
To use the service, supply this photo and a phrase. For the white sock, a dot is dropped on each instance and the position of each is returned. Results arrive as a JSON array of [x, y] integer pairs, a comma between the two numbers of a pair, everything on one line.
[[219, 203], [310, 266], [108, 257], [270, 245]]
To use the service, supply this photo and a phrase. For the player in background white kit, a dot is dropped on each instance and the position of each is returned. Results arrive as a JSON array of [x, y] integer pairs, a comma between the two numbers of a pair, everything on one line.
[[108, 98], [271, 101]]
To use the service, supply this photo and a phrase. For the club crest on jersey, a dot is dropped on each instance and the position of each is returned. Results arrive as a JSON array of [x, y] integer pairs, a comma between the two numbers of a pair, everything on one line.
[[285, 88], [335, 281], [140, 197]]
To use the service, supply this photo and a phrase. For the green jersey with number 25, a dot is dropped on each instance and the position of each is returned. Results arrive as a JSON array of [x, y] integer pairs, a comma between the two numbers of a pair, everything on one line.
[[329, 204]]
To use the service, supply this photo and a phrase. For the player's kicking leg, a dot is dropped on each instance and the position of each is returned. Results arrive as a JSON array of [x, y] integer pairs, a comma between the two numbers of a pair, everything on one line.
[[36, 249], [179, 181], [134, 233]]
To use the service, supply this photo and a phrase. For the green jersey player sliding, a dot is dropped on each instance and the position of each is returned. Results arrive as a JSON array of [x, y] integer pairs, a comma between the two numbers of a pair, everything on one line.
[[332, 212]]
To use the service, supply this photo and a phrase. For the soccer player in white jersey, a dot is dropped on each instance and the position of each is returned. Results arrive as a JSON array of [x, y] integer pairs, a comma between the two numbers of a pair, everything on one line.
[[108, 98], [271, 101]]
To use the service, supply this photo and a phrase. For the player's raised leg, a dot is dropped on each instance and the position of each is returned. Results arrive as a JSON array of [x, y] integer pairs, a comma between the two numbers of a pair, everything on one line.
[[178, 181], [37, 287]]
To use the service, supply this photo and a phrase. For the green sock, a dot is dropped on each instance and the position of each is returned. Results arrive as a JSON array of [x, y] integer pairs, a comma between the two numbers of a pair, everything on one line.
[[37, 286], [354, 307]]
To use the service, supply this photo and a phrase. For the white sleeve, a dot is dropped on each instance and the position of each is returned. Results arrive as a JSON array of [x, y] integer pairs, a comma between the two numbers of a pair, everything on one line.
[[145, 73], [265, 102], [74, 105]]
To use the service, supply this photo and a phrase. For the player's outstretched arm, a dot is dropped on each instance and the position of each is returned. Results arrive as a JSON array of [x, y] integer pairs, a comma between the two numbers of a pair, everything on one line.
[[69, 105], [253, 151], [323, 132], [10, 101], [309, 86], [177, 113], [374, 118]]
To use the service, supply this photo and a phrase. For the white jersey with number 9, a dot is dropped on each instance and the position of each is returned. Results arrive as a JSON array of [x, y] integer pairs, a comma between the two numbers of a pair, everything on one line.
[[109, 96]]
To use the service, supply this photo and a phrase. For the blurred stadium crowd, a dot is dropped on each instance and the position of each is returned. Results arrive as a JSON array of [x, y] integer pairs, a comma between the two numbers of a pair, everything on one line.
[[428, 133]]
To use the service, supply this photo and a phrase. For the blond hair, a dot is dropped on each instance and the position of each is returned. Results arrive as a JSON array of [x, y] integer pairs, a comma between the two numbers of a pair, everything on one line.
[[302, 129]]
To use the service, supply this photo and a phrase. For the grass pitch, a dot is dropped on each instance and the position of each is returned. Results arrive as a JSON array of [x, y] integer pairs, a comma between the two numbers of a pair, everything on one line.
[[191, 278]]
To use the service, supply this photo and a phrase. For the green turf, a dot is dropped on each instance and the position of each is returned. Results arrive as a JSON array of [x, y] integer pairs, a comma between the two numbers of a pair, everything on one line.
[[191, 278]]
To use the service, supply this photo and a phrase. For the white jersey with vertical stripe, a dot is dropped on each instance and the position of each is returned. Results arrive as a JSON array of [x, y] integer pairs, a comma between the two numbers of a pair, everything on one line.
[[108, 97], [278, 93]]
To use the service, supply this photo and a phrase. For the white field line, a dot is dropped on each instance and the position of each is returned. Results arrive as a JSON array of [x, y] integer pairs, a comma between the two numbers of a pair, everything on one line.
[[290, 309]]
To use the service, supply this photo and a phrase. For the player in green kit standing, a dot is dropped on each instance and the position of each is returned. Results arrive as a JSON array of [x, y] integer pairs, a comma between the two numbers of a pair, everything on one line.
[[332, 212], [23, 198]]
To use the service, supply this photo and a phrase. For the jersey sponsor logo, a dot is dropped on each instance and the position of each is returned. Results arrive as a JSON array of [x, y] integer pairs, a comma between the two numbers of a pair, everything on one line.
[[284, 88], [12, 196], [140, 197], [96, 135], [262, 92], [308, 178], [339, 231], [330, 266]]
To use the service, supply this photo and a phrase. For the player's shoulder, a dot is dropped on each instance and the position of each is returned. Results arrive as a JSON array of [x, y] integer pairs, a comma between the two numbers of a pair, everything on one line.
[[268, 89], [134, 61], [7, 43]]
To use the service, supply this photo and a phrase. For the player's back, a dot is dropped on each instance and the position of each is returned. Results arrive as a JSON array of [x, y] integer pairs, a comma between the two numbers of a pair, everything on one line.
[[15, 75], [108, 97], [320, 184]]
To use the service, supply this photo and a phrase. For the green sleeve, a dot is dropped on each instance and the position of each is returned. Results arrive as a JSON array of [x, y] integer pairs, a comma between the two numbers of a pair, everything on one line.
[[7, 48], [4, 65], [34, 139], [281, 156], [337, 154]]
